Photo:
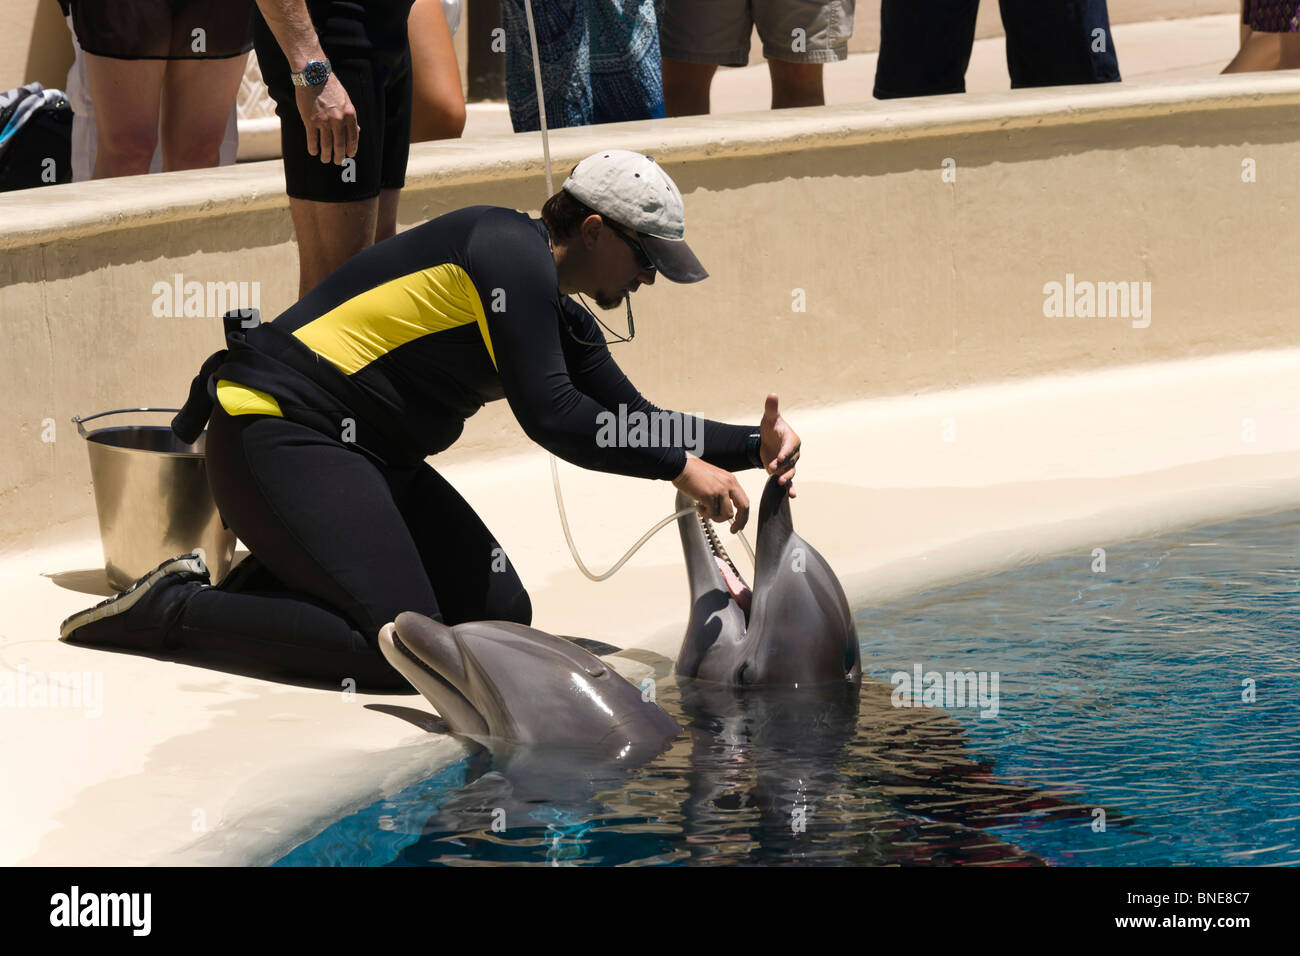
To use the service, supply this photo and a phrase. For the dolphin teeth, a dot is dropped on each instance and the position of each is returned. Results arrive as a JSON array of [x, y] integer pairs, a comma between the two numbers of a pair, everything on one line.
[[716, 547], [732, 580]]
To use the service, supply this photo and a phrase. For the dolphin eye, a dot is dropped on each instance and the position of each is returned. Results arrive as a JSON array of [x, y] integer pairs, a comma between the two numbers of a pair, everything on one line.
[[595, 669]]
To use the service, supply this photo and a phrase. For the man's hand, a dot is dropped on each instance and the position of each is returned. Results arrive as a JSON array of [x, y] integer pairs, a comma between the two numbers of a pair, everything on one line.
[[715, 490], [326, 110], [331, 120], [778, 445]]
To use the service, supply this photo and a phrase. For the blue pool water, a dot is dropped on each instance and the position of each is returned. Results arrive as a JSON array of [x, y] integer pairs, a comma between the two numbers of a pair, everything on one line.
[[1159, 697]]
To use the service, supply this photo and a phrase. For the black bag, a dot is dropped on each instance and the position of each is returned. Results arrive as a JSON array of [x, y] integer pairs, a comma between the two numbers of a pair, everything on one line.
[[35, 137]]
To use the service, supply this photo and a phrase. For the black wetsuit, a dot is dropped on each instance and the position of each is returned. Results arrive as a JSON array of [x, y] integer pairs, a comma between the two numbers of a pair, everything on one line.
[[322, 420]]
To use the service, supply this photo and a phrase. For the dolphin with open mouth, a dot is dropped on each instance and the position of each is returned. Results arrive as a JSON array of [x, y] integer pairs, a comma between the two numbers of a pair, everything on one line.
[[511, 682], [793, 628]]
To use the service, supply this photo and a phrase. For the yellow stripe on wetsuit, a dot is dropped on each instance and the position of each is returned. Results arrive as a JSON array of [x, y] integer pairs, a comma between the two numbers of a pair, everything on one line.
[[370, 325], [239, 399]]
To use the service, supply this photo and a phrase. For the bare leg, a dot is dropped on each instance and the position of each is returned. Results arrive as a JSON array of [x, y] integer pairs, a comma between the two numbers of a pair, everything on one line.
[[1256, 51], [330, 233], [686, 87], [1261, 51], [1289, 54], [126, 95], [438, 104], [197, 96], [386, 218], [796, 84]]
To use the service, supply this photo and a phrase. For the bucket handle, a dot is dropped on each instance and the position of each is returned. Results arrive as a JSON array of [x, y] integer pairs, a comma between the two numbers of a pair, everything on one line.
[[78, 420]]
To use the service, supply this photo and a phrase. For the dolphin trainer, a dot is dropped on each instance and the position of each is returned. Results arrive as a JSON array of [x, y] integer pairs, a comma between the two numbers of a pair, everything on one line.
[[793, 629]]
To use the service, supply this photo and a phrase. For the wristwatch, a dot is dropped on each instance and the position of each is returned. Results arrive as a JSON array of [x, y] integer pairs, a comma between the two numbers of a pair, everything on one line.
[[315, 73], [751, 450]]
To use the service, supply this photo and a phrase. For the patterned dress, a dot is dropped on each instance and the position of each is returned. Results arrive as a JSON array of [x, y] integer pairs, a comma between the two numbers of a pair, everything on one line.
[[600, 62], [1272, 16]]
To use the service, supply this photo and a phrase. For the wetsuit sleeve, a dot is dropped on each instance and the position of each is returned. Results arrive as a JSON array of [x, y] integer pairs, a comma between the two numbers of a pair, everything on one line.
[[514, 274], [597, 374]]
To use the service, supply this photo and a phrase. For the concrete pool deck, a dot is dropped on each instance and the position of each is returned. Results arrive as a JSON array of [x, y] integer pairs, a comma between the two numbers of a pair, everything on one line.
[[951, 427]]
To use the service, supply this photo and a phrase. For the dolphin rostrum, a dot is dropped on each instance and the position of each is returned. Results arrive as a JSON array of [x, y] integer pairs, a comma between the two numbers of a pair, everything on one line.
[[511, 682], [794, 629]]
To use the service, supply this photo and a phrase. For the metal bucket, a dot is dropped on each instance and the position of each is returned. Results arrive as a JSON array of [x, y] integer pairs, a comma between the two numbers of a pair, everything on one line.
[[151, 492]]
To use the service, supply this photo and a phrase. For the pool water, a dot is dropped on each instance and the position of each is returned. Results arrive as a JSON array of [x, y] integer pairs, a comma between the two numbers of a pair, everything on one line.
[[1146, 714], [1133, 684]]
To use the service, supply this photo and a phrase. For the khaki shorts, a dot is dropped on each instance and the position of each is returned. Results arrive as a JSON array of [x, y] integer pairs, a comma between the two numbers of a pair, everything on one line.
[[718, 31]]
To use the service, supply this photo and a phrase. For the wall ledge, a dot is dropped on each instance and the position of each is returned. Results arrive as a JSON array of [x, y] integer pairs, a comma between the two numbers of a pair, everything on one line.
[[83, 209]]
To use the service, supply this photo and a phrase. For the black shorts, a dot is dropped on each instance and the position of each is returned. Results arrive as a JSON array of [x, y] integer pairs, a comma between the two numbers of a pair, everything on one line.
[[163, 29], [372, 59]]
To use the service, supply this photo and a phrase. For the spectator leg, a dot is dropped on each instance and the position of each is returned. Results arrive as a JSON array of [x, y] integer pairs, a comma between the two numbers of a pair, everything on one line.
[[1258, 52], [1289, 58], [196, 101], [330, 233], [386, 217], [924, 47], [1059, 43], [686, 87], [126, 94], [796, 84]]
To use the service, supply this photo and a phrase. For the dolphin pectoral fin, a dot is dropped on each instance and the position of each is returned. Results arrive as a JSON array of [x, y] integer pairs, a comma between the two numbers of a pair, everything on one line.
[[591, 646]]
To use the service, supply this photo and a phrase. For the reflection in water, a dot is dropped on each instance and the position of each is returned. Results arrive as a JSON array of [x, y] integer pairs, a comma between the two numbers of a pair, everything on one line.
[[774, 776]]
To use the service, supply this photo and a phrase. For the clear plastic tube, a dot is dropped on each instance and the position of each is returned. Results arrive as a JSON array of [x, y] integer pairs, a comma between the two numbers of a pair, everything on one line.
[[663, 522]]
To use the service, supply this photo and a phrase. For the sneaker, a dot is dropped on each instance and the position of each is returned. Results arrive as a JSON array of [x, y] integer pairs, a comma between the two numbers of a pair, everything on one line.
[[139, 617]]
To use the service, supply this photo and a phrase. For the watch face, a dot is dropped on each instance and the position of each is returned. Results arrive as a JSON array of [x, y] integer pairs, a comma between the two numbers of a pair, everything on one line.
[[315, 73]]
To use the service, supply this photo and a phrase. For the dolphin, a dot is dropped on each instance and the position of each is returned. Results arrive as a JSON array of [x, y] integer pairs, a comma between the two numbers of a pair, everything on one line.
[[514, 683], [795, 627]]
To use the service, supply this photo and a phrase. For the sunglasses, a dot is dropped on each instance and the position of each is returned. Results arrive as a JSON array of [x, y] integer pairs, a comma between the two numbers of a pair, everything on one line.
[[642, 259]]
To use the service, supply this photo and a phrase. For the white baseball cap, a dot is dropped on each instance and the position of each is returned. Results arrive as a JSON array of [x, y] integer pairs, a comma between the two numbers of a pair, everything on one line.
[[634, 191]]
